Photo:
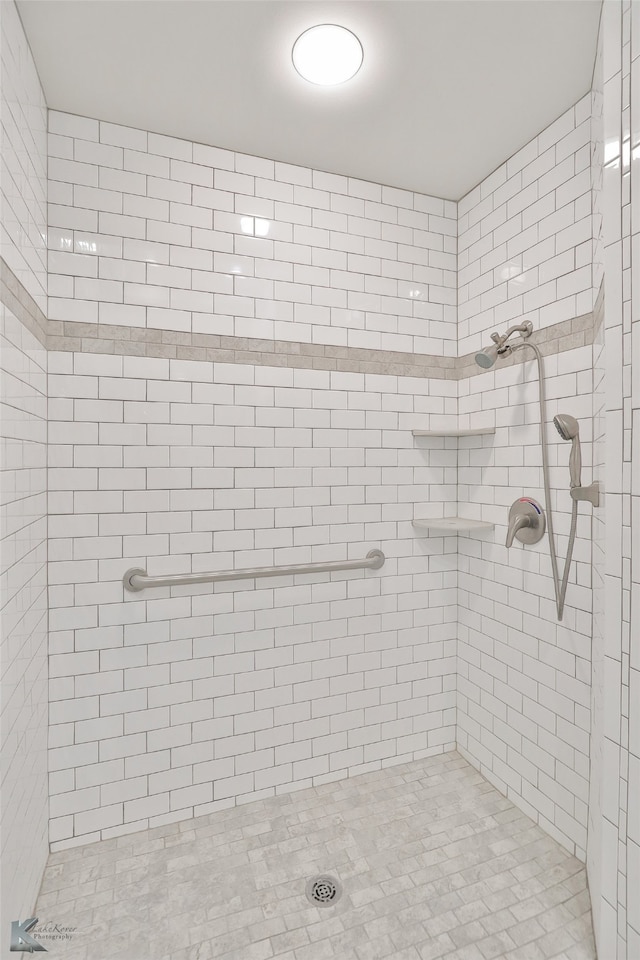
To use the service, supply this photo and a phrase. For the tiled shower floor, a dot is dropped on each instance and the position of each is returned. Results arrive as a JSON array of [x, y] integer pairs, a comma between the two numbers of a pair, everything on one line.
[[434, 863]]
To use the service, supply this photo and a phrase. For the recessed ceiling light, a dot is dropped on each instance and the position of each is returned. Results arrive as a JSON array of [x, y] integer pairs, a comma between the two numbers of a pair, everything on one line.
[[327, 54]]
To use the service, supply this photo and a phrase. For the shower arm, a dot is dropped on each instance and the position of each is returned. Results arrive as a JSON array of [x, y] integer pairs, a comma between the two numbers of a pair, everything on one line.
[[524, 329]]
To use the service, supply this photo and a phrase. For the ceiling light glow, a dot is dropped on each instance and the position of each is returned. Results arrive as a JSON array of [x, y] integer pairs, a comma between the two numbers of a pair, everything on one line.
[[327, 54], [254, 226]]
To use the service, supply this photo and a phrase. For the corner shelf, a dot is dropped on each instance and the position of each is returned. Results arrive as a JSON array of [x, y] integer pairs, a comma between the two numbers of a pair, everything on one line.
[[478, 432], [444, 526], [452, 525]]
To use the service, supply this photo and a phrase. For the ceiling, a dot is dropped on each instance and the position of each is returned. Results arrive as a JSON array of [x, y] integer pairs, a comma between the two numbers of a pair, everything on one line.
[[448, 88]]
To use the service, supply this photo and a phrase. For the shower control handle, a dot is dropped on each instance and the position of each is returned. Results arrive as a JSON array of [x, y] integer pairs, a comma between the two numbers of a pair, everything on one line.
[[526, 521], [516, 524]]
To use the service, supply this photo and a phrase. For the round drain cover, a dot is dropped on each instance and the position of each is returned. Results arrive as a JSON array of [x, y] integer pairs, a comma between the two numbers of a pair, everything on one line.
[[323, 891]]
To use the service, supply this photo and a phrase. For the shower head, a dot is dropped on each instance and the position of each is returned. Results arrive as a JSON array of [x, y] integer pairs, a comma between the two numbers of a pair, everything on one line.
[[567, 426], [487, 358], [569, 429], [500, 348]]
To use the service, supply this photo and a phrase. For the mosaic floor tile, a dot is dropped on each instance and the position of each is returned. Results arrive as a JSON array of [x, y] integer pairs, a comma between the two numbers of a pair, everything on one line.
[[435, 864]]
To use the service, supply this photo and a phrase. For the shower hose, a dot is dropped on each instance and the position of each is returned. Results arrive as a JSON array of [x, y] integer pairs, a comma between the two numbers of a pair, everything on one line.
[[559, 587]]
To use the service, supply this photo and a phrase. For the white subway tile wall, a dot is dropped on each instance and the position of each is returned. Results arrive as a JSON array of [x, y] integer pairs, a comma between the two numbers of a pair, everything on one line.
[[219, 465], [23, 183], [153, 232], [525, 235], [23, 615], [614, 867], [523, 678], [187, 464], [525, 252], [599, 625], [23, 467], [170, 703], [630, 867]]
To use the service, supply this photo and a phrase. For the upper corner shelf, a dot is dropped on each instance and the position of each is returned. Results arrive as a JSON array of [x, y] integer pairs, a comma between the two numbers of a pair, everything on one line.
[[478, 432]]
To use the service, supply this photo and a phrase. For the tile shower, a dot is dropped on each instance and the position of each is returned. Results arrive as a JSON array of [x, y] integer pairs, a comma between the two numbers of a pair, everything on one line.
[[219, 363]]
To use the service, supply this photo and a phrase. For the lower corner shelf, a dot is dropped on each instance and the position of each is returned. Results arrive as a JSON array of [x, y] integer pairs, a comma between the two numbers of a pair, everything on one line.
[[451, 525]]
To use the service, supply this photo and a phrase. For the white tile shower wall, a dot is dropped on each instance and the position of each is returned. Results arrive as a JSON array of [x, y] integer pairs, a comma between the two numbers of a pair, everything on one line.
[[598, 790], [631, 288], [614, 873], [524, 679], [149, 231], [166, 704], [525, 235], [525, 251], [23, 435], [23, 160], [112, 244], [23, 618], [596, 773]]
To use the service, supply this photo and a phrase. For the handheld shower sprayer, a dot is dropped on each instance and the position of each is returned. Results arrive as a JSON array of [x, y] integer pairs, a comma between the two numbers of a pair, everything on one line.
[[569, 429]]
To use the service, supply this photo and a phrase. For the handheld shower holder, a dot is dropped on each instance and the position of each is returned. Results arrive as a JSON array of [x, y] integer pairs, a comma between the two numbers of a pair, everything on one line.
[[591, 493]]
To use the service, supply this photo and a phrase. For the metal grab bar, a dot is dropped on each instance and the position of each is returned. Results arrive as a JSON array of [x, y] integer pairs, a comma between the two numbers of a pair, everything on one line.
[[137, 579]]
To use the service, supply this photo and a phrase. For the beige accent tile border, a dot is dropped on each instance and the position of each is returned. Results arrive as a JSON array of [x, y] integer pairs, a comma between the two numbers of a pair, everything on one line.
[[169, 344], [15, 297], [567, 335], [98, 338]]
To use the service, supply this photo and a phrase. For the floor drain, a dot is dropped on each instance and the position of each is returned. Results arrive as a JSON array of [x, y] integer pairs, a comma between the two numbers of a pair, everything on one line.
[[324, 891]]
